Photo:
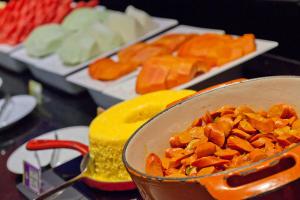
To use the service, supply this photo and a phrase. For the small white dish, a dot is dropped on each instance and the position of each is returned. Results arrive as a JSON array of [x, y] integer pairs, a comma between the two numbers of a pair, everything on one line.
[[17, 108], [75, 133]]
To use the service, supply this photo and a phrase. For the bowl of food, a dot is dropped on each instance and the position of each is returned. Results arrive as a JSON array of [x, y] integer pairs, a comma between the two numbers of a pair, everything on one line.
[[238, 141]]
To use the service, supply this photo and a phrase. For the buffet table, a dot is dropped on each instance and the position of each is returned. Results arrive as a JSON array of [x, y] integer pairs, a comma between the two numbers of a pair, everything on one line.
[[60, 110]]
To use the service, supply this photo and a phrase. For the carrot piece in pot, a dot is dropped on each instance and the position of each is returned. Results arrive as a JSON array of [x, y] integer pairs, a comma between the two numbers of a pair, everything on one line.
[[198, 133], [205, 149], [240, 110], [209, 161], [206, 171], [296, 125], [265, 125], [282, 110], [239, 144], [227, 154], [240, 133], [257, 154], [247, 127], [173, 152], [207, 118], [215, 134], [225, 124], [154, 165]]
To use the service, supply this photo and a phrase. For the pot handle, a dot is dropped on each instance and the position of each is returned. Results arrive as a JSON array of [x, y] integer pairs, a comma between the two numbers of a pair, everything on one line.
[[207, 89], [56, 144], [273, 176]]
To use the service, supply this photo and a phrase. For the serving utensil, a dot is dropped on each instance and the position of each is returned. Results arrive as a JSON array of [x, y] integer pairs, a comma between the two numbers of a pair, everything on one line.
[[6, 102], [83, 168], [84, 150]]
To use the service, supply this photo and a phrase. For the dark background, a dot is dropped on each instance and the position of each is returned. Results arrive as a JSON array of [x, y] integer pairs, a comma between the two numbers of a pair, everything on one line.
[[277, 20]]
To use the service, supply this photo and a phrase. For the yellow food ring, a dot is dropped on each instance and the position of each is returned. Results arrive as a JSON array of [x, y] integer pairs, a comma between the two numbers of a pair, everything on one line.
[[110, 130]]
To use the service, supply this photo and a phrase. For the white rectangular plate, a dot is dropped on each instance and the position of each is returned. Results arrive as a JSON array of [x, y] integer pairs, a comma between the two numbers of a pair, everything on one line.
[[82, 78], [8, 48], [126, 89], [54, 65]]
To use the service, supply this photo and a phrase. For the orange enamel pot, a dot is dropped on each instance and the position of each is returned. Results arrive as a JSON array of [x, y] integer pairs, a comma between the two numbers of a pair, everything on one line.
[[258, 179]]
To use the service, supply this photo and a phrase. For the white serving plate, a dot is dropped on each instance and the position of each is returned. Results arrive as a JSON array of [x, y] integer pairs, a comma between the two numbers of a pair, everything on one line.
[[126, 89], [75, 133], [17, 108], [8, 62], [96, 87], [43, 68]]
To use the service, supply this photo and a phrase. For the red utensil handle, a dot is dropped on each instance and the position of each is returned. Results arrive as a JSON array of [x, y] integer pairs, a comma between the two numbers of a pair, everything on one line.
[[56, 144], [220, 188], [207, 89]]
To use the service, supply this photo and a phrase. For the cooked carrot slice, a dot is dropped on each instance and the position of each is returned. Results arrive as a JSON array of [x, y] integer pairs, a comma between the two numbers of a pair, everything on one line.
[[260, 142], [206, 171], [237, 120], [260, 123], [240, 133], [196, 122], [154, 165], [227, 154], [282, 110], [147, 52], [293, 137], [126, 54], [106, 69], [185, 137], [189, 160], [176, 143], [172, 172], [239, 144], [221, 48], [247, 127], [241, 160], [165, 162], [225, 124], [197, 132], [215, 134], [181, 71], [172, 41], [226, 108], [152, 78], [165, 72], [283, 140], [194, 143], [257, 154], [266, 135], [292, 120], [240, 110], [281, 131], [207, 118], [173, 152], [176, 161], [296, 125], [280, 123], [209, 161], [205, 149], [246, 43]]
